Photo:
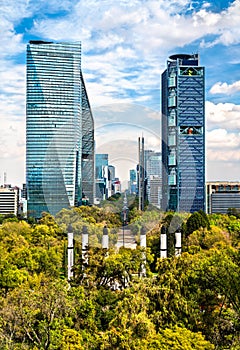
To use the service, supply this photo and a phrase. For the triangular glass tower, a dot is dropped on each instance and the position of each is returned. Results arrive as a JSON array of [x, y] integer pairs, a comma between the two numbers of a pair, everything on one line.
[[59, 125]]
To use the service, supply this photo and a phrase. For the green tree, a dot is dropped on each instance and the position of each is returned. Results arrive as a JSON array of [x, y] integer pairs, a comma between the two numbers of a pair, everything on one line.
[[207, 239], [34, 317], [195, 221], [131, 327], [234, 211], [71, 340], [110, 269], [182, 339]]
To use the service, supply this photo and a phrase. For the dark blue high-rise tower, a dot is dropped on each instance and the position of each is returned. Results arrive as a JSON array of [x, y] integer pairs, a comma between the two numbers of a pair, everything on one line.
[[183, 134]]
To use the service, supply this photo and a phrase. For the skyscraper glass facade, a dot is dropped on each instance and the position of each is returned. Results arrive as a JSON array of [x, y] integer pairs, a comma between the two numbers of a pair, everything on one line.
[[54, 126], [152, 168], [101, 175], [88, 158], [183, 134]]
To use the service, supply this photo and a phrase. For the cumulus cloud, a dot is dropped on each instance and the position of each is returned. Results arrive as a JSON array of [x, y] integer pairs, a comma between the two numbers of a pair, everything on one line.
[[224, 88], [125, 45], [223, 115], [223, 155], [223, 140], [219, 137], [144, 25], [137, 36], [227, 156], [225, 25]]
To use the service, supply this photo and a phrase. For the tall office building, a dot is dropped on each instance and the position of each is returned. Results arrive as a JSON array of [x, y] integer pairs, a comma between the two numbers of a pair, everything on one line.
[[101, 176], [132, 185], [59, 129], [152, 162], [183, 134], [141, 174], [88, 155], [152, 168]]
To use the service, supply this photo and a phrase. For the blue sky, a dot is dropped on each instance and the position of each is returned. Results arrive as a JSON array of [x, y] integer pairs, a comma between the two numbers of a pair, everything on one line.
[[125, 45]]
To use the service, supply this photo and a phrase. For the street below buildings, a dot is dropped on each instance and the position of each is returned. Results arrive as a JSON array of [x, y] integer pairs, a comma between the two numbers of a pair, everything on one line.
[[126, 238]]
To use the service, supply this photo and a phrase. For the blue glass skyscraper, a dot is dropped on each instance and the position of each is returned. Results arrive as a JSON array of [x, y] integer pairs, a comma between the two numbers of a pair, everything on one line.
[[59, 128], [183, 134], [102, 176]]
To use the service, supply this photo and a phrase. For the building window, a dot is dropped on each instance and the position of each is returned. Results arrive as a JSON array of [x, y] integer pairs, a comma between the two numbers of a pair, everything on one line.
[[172, 178], [172, 81], [172, 139], [172, 118], [172, 158], [172, 101], [191, 130], [191, 71]]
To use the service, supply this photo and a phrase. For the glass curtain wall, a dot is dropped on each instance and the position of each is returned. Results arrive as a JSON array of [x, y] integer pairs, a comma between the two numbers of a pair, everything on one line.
[[53, 126], [183, 134]]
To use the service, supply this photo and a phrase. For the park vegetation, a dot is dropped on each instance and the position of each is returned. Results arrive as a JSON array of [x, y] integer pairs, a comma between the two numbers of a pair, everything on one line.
[[185, 302]]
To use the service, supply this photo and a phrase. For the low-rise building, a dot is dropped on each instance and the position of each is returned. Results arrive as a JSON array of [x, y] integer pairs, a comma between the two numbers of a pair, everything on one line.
[[9, 200], [222, 195]]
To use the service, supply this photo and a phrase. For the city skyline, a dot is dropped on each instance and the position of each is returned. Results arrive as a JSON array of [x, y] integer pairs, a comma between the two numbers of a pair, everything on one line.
[[124, 51]]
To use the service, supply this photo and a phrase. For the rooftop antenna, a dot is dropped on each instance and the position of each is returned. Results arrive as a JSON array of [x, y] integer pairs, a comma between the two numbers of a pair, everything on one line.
[[5, 178]]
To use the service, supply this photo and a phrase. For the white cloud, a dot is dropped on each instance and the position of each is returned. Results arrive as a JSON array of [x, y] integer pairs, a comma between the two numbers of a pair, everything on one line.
[[131, 36], [12, 78], [147, 26], [225, 26], [11, 43], [227, 157], [205, 17], [224, 88], [13, 11], [12, 116], [223, 115], [223, 155], [221, 139], [125, 45]]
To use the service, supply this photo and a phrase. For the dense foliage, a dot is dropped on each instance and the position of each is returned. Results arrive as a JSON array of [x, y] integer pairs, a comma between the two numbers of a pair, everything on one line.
[[186, 302]]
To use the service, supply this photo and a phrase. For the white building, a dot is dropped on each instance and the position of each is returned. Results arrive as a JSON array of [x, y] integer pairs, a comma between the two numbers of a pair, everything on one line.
[[9, 197]]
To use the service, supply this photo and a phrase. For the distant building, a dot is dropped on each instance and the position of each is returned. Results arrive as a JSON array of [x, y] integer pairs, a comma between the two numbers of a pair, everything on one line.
[[222, 195], [111, 179], [141, 175], [101, 176], [154, 190], [9, 200], [183, 134], [24, 191], [132, 185], [59, 129], [22, 209], [152, 167], [116, 186], [152, 162], [112, 172], [106, 184]]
